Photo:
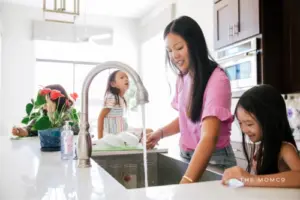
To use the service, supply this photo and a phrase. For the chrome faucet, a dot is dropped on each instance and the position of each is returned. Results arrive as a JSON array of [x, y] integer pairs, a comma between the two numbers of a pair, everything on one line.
[[84, 144]]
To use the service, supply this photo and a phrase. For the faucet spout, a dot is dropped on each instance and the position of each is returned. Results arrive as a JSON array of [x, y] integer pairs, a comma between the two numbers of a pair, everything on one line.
[[84, 147]]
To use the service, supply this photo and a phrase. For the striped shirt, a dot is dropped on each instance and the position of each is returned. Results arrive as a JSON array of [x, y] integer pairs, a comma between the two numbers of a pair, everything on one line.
[[115, 122]]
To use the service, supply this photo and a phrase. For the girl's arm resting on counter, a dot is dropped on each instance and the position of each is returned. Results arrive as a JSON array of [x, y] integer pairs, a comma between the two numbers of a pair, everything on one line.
[[288, 179], [205, 148], [29, 130]]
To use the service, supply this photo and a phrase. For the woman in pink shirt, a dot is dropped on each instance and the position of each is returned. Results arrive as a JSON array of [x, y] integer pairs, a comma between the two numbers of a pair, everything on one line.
[[203, 101]]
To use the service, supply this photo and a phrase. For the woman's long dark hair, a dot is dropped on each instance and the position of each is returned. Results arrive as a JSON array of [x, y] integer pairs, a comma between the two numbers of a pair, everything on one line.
[[267, 105], [110, 89], [60, 102], [201, 63]]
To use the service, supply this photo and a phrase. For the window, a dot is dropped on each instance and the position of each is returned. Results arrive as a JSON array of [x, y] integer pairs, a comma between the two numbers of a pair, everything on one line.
[[66, 51], [71, 77], [159, 81], [68, 64]]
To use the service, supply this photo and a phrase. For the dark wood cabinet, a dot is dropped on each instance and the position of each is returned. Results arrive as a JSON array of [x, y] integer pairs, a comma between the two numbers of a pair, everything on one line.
[[223, 33], [235, 20], [246, 19], [291, 46], [277, 24], [280, 29]]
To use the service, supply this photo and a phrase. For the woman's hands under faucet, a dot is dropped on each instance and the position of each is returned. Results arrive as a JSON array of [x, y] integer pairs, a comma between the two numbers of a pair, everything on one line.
[[153, 138]]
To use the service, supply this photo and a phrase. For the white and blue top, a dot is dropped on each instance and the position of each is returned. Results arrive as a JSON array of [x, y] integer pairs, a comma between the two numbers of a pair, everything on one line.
[[115, 121]]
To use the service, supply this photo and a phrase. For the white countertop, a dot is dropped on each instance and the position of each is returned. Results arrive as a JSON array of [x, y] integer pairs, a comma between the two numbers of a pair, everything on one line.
[[27, 173]]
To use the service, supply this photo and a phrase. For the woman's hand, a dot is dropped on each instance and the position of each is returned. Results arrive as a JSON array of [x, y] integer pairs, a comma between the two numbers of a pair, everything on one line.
[[153, 138], [21, 132], [236, 173]]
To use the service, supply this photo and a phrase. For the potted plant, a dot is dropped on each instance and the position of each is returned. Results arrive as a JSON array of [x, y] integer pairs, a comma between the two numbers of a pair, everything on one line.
[[48, 117]]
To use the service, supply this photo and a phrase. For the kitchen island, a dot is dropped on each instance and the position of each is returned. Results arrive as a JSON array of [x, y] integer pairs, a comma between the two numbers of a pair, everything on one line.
[[27, 173]]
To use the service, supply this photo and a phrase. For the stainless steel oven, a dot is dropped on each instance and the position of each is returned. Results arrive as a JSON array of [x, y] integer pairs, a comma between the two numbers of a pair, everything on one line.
[[241, 63]]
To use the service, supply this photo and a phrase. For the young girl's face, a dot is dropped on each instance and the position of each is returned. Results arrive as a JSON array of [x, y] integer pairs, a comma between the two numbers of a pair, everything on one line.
[[249, 124], [121, 81], [178, 52]]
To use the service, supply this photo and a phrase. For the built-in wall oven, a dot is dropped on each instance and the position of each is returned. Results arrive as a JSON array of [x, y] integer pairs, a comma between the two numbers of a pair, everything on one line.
[[241, 63]]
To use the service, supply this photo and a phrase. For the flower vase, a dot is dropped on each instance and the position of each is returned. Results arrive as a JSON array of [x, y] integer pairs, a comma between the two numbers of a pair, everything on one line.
[[50, 139]]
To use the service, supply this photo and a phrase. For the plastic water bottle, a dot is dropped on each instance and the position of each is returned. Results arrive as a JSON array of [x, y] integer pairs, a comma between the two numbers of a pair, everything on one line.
[[67, 144]]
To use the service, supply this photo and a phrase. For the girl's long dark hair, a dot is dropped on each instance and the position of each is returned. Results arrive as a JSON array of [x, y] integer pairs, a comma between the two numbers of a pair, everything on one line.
[[110, 89], [201, 63], [267, 105]]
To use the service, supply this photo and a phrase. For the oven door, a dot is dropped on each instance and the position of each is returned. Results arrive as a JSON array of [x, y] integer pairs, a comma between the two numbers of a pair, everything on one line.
[[240, 63], [242, 72]]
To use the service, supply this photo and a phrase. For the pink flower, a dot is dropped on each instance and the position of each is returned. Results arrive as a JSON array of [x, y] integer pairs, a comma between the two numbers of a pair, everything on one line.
[[55, 94], [74, 96], [45, 91]]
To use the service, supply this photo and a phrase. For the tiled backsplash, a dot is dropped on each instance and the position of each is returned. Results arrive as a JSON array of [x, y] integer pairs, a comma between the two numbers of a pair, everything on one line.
[[293, 109], [293, 106]]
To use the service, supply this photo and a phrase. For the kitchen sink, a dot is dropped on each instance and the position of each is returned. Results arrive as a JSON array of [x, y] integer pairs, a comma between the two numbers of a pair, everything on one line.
[[128, 169]]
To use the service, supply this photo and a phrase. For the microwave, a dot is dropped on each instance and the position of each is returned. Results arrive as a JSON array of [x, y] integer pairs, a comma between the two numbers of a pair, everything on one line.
[[241, 64]]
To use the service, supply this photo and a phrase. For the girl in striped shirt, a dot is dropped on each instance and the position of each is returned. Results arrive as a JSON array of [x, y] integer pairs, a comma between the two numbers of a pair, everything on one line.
[[111, 118]]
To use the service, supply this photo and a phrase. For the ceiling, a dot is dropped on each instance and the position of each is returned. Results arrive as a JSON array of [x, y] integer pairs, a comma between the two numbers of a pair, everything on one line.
[[118, 8]]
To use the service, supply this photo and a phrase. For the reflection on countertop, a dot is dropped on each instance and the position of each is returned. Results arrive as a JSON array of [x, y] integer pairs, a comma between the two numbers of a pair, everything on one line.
[[27, 173]]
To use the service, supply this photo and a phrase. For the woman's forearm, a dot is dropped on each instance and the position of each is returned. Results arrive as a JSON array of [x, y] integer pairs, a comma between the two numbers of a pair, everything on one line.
[[289, 179], [171, 129], [200, 159], [204, 150]]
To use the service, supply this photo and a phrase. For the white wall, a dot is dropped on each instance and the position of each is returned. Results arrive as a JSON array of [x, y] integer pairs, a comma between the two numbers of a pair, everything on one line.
[[0, 65], [18, 56], [199, 10], [18, 59], [202, 12]]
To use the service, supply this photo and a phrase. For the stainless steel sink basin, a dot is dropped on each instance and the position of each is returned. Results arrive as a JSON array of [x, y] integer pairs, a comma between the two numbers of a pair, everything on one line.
[[128, 170]]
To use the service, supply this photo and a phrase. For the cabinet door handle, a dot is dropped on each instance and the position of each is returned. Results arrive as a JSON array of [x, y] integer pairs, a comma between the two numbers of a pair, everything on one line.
[[236, 29], [230, 31]]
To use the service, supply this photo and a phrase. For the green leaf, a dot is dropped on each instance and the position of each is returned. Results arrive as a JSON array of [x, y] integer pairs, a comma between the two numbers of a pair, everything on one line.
[[29, 108], [40, 100], [74, 115], [35, 115], [42, 123], [25, 120]]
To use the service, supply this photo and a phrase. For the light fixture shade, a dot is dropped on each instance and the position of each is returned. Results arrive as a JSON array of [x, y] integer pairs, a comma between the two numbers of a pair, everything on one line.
[[64, 11]]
